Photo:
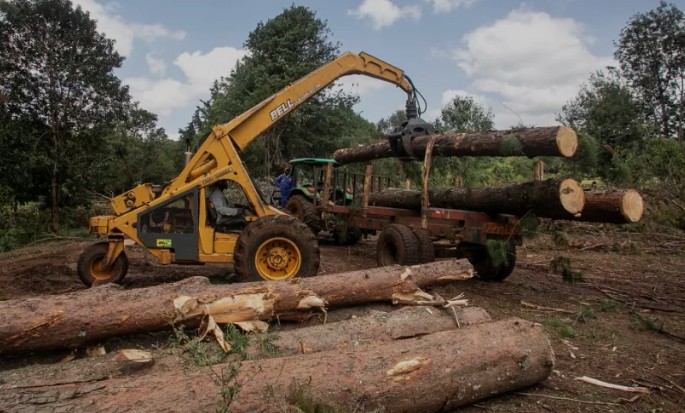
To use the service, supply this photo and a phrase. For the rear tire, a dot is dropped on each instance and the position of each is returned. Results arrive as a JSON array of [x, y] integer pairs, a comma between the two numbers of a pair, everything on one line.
[[397, 244], [276, 247], [88, 266], [346, 235], [305, 211], [427, 251], [482, 262]]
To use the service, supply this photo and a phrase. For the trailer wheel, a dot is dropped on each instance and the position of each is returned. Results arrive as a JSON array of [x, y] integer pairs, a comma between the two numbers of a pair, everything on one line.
[[89, 270], [427, 251], [482, 262], [397, 244], [346, 235], [305, 211], [276, 247]]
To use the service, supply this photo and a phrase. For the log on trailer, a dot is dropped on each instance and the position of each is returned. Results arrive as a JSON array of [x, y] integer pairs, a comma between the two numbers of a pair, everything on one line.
[[618, 206], [436, 372], [379, 327], [71, 320], [561, 199], [548, 141]]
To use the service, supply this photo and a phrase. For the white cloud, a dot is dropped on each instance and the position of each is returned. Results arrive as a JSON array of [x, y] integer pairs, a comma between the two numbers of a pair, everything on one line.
[[529, 61], [444, 6], [123, 32], [156, 66], [165, 95], [360, 85], [384, 13]]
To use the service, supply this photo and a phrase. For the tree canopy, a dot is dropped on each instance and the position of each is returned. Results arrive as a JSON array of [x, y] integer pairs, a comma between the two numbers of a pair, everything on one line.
[[282, 50]]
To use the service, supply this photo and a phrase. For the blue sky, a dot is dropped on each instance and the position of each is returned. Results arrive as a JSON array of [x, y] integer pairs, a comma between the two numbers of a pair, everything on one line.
[[524, 59]]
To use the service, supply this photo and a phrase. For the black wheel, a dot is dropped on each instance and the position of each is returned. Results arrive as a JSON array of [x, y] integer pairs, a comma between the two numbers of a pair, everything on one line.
[[305, 211], [427, 251], [89, 270], [276, 247], [483, 264], [397, 244], [346, 235]]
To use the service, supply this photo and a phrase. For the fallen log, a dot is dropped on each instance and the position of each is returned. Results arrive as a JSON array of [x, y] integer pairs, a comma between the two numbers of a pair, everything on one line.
[[548, 141], [74, 319], [561, 199], [436, 372], [379, 327], [618, 206]]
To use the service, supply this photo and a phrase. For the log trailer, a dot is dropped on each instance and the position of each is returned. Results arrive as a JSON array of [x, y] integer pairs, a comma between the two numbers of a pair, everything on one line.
[[327, 198], [174, 224]]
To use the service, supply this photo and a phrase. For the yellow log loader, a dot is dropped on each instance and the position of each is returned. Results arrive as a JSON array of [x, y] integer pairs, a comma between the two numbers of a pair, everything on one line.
[[175, 223]]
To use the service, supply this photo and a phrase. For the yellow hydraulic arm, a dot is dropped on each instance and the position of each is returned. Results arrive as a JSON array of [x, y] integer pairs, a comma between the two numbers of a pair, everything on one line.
[[248, 126]]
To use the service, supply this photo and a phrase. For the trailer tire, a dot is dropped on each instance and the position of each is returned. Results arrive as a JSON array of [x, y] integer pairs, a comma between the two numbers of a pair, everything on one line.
[[346, 235], [482, 262], [88, 269], [397, 244], [276, 247], [427, 251], [305, 211]]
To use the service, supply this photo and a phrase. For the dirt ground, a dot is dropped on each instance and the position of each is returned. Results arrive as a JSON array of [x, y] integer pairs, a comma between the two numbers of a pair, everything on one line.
[[623, 322]]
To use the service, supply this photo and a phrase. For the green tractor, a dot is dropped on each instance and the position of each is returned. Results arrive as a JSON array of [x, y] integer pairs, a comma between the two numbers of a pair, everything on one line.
[[304, 198]]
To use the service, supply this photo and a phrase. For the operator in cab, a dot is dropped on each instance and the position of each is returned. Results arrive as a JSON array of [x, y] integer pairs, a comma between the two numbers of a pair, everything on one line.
[[227, 216]]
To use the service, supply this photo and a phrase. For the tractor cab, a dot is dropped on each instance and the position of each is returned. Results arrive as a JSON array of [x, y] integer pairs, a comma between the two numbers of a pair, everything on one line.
[[308, 175]]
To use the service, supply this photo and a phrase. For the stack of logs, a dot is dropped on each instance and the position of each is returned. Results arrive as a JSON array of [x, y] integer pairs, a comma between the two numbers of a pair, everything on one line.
[[429, 356], [554, 198]]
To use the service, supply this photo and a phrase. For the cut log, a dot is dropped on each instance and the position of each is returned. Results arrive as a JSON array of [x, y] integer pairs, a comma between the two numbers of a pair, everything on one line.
[[436, 372], [548, 141], [614, 206], [71, 320], [561, 199], [379, 327]]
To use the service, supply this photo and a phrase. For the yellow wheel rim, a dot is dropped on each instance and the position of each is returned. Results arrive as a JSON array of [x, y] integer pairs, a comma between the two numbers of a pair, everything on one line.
[[99, 273], [278, 259]]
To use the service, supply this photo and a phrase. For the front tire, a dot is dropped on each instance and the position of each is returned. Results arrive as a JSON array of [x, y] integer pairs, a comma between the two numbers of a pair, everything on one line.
[[89, 270], [397, 244], [305, 211], [274, 248]]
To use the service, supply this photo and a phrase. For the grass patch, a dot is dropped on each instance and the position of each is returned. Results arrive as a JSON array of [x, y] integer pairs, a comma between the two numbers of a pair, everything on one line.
[[562, 265], [498, 251], [586, 314], [607, 304], [567, 331]]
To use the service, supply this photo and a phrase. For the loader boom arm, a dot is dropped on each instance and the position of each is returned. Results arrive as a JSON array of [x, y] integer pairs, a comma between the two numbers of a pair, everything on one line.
[[255, 121]]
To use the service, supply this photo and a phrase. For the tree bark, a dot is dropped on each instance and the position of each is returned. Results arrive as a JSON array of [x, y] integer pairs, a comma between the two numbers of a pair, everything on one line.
[[619, 206], [549, 141], [437, 372], [561, 199], [379, 327], [74, 319]]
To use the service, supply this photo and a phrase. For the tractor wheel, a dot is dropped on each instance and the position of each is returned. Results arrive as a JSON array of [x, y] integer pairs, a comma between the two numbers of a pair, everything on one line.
[[88, 266], [305, 211], [427, 252], [482, 262], [276, 247], [397, 244]]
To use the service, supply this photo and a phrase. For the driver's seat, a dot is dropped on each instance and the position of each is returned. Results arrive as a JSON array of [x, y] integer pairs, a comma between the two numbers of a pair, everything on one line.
[[227, 223]]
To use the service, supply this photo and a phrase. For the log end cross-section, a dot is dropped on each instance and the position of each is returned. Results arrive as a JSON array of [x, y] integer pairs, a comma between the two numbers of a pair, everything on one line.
[[632, 206], [567, 141], [571, 196]]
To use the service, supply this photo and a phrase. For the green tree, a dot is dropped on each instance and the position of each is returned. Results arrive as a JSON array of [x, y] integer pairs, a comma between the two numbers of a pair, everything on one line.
[[282, 50], [651, 51], [56, 72], [463, 114], [608, 117]]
